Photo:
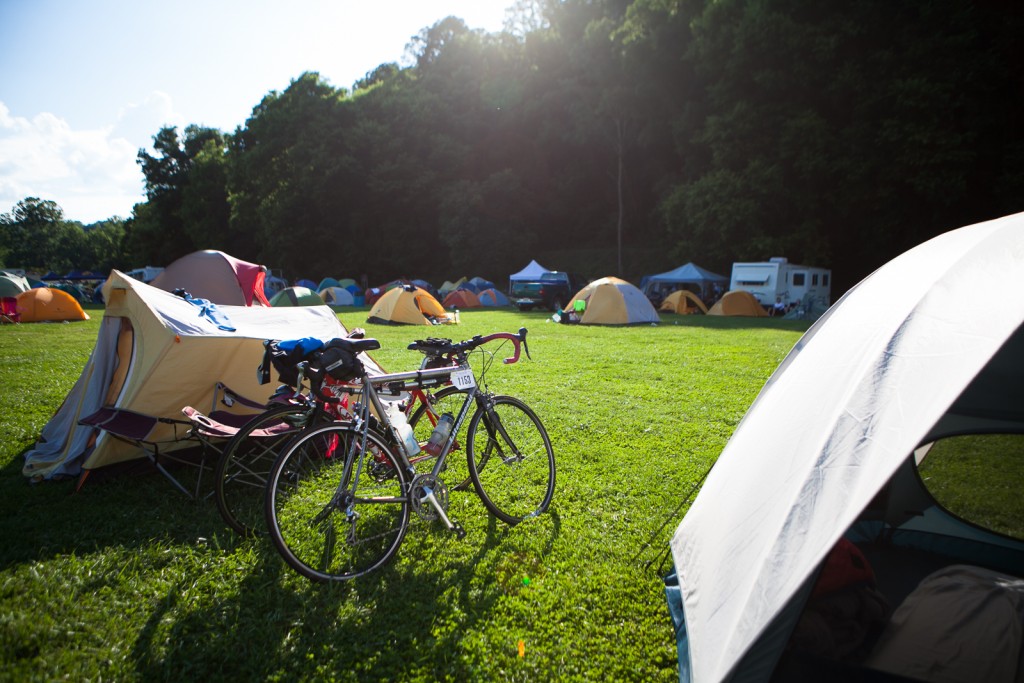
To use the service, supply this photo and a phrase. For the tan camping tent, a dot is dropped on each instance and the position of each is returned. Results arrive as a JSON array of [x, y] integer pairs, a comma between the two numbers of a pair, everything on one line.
[[44, 304], [738, 302], [683, 301], [406, 305], [611, 301], [156, 353], [215, 276]]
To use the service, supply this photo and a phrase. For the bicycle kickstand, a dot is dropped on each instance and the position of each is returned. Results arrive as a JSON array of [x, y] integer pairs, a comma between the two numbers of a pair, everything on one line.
[[454, 527]]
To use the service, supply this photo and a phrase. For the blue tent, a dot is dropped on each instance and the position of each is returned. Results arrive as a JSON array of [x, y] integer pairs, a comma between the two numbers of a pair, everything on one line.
[[477, 285], [325, 283], [492, 297]]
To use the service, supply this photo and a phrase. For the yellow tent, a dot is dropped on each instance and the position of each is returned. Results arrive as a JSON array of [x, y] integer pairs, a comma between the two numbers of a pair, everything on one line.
[[450, 286], [738, 302], [406, 305], [683, 301], [611, 301], [45, 304]]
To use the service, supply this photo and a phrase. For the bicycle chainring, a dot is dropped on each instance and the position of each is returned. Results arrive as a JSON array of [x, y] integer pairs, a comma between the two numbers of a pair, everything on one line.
[[418, 490]]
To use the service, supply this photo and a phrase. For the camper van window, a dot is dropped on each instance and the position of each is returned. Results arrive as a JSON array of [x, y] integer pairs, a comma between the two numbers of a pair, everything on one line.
[[975, 477], [814, 279], [824, 279], [799, 279]]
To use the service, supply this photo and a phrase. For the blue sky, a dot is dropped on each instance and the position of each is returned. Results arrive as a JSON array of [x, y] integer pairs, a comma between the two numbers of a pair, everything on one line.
[[84, 84]]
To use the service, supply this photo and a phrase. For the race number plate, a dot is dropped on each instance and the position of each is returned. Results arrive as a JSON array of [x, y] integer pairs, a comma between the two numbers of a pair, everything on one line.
[[463, 379]]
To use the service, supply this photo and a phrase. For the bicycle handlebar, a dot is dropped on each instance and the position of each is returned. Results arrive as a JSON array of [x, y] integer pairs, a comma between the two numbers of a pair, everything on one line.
[[445, 347]]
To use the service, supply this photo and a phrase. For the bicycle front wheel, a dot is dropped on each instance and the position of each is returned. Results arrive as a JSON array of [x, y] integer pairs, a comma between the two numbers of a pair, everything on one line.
[[241, 475], [329, 526], [511, 460]]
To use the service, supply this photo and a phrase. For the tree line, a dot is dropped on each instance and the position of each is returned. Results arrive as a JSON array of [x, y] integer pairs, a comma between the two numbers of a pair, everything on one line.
[[612, 137]]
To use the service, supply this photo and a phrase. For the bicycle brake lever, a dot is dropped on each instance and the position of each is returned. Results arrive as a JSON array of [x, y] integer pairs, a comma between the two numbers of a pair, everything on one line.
[[522, 338]]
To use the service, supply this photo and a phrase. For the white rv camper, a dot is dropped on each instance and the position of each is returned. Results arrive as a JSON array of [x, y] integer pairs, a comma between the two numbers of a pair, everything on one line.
[[777, 278]]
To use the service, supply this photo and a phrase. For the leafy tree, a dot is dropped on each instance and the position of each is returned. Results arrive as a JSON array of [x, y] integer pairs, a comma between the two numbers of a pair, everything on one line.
[[103, 246], [710, 130], [289, 175], [486, 225], [835, 134], [37, 237], [186, 196]]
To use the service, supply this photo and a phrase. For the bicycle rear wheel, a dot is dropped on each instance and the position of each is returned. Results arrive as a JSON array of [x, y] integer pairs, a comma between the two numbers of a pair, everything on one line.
[[511, 460], [241, 475], [327, 528], [456, 471]]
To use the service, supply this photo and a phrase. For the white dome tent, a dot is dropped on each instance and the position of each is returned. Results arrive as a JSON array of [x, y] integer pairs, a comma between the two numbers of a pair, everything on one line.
[[909, 355]]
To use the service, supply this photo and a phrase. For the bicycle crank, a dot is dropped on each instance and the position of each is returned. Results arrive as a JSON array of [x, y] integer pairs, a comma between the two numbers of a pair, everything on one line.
[[429, 498]]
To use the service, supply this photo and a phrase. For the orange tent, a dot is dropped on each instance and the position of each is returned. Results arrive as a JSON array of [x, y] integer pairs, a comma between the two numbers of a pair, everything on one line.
[[738, 302], [461, 298], [45, 304], [683, 301]]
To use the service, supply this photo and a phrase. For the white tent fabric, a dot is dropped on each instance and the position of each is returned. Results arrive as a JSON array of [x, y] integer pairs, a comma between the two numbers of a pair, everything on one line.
[[855, 396], [531, 272], [337, 296]]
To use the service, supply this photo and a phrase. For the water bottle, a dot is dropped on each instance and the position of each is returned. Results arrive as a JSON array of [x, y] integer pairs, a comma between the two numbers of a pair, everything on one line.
[[440, 434], [404, 429]]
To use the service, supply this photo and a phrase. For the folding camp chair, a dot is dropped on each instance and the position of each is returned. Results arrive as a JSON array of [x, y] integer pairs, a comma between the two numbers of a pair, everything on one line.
[[9, 310], [205, 429]]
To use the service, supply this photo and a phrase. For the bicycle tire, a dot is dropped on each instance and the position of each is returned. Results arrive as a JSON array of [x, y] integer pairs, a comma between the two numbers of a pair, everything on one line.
[[515, 481], [321, 531], [456, 470], [242, 469]]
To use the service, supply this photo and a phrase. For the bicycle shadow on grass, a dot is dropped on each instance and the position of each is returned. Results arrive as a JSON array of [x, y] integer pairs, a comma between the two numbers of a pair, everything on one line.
[[405, 621]]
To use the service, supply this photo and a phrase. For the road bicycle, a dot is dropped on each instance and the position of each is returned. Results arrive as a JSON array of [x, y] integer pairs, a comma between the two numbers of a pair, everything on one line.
[[308, 398], [340, 496]]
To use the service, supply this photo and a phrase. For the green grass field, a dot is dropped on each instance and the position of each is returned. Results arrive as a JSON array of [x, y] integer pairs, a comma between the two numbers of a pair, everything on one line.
[[129, 580]]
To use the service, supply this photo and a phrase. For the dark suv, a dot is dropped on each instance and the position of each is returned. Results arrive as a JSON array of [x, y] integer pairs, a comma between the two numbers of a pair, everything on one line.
[[551, 290]]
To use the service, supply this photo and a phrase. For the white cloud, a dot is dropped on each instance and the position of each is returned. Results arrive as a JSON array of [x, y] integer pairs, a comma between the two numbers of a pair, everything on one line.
[[91, 174], [139, 122]]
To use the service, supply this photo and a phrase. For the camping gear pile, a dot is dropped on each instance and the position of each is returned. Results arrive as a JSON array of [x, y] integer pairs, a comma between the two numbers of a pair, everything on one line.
[[829, 451]]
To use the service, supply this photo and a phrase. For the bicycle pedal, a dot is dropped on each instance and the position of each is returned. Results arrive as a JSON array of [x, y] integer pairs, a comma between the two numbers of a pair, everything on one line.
[[459, 532]]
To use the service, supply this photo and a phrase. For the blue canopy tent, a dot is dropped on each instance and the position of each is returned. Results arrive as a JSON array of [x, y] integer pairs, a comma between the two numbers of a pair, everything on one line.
[[701, 282]]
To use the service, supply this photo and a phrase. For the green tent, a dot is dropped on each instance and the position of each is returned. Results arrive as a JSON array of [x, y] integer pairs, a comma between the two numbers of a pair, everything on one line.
[[297, 296], [12, 285]]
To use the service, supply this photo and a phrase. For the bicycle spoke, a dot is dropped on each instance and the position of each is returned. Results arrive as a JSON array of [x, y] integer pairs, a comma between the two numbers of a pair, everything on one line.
[[245, 463], [511, 460], [328, 529]]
